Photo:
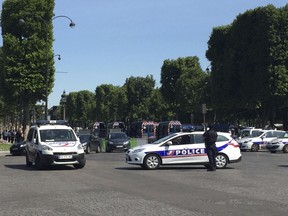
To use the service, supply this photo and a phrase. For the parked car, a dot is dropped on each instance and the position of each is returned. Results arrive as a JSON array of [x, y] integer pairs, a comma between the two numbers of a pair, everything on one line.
[[90, 143], [117, 141], [259, 139], [18, 148], [278, 144], [184, 148]]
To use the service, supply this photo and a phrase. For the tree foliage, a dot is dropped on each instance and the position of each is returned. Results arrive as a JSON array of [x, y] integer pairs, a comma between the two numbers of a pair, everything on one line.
[[27, 47], [249, 62]]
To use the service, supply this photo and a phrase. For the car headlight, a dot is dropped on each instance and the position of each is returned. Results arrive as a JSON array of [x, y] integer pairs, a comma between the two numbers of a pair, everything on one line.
[[23, 145], [110, 142], [46, 148], [126, 143], [138, 150], [80, 146]]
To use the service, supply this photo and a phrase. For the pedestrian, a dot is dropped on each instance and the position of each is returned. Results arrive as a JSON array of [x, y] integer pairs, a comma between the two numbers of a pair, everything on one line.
[[19, 136], [210, 138]]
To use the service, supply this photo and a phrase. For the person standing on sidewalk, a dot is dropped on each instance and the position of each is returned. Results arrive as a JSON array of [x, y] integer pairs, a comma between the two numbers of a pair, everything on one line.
[[210, 138]]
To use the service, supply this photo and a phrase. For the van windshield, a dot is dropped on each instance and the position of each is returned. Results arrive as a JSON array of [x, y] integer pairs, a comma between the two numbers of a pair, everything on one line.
[[56, 135]]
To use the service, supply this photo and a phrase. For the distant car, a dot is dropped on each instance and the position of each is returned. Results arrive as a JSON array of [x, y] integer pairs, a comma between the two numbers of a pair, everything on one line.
[[184, 148], [278, 144], [117, 141], [90, 143], [18, 148], [259, 139]]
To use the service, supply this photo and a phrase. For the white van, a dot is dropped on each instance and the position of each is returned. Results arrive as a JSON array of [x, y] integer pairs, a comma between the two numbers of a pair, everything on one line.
[[53, 143]]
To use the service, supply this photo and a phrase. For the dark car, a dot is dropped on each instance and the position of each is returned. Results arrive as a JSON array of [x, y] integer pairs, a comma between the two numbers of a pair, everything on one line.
[[18, 148], [118, 141], [90, 143]]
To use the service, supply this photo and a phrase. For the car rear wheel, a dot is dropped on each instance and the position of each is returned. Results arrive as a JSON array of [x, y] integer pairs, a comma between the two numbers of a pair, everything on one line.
[[28, 163], [254, 148], [151, 161], [285, 149], [221, 161]]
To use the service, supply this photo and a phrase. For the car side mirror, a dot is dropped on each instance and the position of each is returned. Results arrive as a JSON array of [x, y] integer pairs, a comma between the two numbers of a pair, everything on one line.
[[169, 143]]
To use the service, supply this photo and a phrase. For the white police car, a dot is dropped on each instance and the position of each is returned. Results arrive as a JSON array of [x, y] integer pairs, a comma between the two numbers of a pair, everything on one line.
[[278, 144], [184, 148], [53, 143], [259, 139]]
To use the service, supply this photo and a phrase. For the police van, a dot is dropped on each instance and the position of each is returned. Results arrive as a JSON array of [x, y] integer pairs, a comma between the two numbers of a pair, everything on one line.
[[184, 148], [53, 143]]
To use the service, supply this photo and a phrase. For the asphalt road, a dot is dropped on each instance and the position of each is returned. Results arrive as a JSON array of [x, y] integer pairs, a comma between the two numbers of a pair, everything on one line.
[[108, 186]]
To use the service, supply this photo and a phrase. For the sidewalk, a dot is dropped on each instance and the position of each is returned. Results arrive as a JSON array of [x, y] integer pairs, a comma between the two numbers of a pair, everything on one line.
[[3, 153]]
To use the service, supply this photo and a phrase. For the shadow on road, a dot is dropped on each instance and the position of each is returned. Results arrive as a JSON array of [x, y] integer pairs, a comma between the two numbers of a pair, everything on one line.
[[33, 168]]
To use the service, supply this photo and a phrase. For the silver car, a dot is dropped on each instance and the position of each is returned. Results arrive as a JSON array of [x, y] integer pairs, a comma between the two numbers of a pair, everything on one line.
[[278, 144]]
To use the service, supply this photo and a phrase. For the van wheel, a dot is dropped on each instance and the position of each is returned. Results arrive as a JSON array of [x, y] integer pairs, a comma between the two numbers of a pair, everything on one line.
[[28, 163], [254, 148], [285, 149], [38, 163], [221, 161], [80, 165]]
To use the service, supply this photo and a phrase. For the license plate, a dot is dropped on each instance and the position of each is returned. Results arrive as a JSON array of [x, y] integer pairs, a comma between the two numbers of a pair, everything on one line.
[[15, 148], [120, 146], [65, 156]]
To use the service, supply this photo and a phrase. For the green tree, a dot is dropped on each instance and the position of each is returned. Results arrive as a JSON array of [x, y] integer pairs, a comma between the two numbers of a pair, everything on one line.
[[178, 77], [108, 99], [139, 91], [250, 58], [25, 51]]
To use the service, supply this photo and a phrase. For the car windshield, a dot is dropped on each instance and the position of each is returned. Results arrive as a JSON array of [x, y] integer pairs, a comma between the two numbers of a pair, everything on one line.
[[164, 138], [56, 135], [84, 138], [118, 136]]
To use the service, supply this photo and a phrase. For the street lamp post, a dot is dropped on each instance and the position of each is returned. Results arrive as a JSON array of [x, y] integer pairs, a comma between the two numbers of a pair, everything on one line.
[[63, 103], [46, 23]]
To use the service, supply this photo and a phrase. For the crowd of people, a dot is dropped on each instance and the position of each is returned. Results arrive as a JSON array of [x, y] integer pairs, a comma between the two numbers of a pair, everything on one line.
[[12, 135]]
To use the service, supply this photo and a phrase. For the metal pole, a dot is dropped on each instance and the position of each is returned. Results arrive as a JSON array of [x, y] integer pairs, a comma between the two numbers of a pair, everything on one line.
[[47, 76]]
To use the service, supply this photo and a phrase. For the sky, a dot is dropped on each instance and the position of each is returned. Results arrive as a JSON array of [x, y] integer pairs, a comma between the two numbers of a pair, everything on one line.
[[117, 39]]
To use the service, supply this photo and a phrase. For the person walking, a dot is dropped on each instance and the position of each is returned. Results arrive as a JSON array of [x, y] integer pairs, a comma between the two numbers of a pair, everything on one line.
[[210, 138]]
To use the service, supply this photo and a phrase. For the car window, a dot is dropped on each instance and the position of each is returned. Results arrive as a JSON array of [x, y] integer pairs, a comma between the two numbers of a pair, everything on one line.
[[269, 134], [256, 133], [197, 138], [181, 140], [222, 138], [285, 135], [30, 134]]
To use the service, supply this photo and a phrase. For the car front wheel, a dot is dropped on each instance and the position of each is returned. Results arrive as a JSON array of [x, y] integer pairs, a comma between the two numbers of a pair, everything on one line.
[[80, 165], [221, 161], [88, 149], [28, 163], [38, 163], [254, 148], [151, 161], [285, 149]]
